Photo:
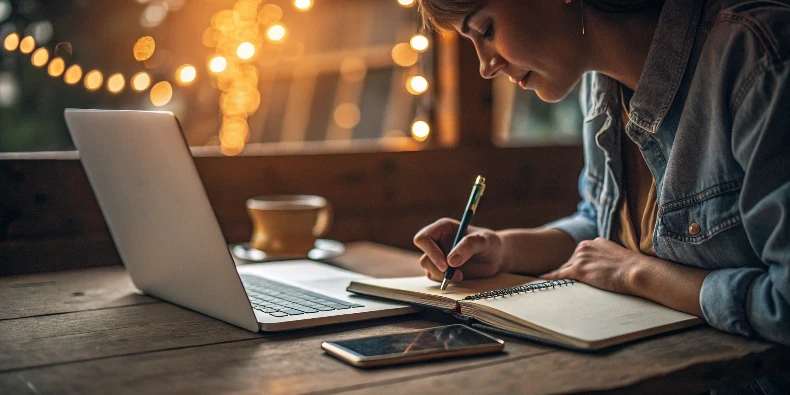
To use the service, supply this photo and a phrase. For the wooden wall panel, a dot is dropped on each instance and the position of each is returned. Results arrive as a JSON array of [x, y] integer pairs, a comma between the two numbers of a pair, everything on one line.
[[50, 220]]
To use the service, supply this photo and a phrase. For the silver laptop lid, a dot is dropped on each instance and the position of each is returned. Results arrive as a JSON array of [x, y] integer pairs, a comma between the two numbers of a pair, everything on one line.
[[153, 200]]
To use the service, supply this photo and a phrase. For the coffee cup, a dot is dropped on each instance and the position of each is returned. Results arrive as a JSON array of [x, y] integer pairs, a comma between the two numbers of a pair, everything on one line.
[[288, 224]]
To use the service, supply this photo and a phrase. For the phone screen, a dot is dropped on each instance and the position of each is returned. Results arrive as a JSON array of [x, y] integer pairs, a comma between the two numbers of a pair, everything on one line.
[[439, 339]]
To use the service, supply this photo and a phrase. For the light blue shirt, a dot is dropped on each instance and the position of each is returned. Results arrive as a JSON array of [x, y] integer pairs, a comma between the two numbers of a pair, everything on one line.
[[711, 115]]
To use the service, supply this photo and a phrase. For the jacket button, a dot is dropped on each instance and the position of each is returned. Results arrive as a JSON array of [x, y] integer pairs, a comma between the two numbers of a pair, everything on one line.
[[694, 228]]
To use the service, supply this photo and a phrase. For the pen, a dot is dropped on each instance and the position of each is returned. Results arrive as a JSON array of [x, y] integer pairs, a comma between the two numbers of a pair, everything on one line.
[[471, 207]]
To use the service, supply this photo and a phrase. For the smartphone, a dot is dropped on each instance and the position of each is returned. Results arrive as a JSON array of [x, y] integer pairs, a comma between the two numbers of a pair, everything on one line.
[[426, 344]]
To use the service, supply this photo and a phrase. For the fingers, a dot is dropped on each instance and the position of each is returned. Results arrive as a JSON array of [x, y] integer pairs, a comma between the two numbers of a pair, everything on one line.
[[428, 237], [470, 245], [433, 272], [458, 276]]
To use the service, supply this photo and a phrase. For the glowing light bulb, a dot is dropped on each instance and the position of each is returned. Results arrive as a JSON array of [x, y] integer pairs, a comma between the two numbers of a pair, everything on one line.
[[116, 83], [246, 50], [93, 80], [419, 43], [11, 42], [56, 67], [276, 32], [40, 57], [406, 3], [140, 81], [218, 64], [161, 93], [144, 48], [417, 85], [27, 45], [403, 55], [303, 5], [186, 74], [73, 74], [420, 130]]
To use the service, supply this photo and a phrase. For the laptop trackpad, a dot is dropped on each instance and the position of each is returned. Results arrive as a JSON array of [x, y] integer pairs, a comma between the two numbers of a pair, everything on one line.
[[302, 271]]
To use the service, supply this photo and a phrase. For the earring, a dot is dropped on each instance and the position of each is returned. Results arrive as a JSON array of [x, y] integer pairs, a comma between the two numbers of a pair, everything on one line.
[[582, 7]]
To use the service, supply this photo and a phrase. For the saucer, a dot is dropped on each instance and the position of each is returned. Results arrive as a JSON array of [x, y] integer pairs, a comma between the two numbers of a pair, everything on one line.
[[324, 249]]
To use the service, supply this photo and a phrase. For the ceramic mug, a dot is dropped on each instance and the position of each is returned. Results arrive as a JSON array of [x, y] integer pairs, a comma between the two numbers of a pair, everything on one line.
[[288, 224]]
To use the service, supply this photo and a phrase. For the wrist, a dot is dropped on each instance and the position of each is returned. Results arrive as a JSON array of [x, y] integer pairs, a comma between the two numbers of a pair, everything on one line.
[[637, 278]]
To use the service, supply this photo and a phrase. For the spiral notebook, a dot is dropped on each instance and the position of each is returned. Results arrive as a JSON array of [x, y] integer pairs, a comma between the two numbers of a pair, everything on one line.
[[561, 312]]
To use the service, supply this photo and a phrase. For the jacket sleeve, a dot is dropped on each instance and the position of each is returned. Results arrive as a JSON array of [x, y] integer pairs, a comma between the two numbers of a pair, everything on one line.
[[582, 225], [756, 301]]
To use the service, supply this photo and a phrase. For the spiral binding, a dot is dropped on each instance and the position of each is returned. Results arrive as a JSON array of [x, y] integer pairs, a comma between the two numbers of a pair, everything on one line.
[[521, 288]]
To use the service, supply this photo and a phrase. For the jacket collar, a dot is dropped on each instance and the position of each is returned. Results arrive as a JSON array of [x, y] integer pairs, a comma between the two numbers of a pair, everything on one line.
[[666, 62], [664, 68]]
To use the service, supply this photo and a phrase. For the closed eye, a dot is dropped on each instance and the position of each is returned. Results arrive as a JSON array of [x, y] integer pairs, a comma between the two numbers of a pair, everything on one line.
[[488, 34]]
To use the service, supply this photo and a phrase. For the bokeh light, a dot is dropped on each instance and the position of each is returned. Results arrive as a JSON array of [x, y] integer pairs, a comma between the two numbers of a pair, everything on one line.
[[73, 74], [303, 5], [186, 74], [154, 14], [420, 130], [419, 43], [56, 67], [417, 85], [403, 55], [161, 93], [270, 13], [27, 45], [406, 3], [93, 80], [246, 50], [347, 115], [276, 32], [218, 64], [11, 42], [5, 10], [144, 48], [40, 57], [116, 83], [141, 81]]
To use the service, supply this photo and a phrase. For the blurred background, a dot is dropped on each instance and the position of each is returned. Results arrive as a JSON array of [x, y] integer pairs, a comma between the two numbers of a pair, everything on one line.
[[287, 74]]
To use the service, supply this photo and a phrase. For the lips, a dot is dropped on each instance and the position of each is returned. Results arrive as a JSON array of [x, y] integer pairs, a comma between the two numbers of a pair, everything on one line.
[[523, 82]]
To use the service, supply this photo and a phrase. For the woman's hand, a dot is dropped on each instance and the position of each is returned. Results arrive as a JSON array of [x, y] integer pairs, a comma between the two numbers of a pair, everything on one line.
[[478, 254], [602, 264]]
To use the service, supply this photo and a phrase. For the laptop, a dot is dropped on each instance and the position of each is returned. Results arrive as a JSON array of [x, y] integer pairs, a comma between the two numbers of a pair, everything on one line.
[[145, 180]]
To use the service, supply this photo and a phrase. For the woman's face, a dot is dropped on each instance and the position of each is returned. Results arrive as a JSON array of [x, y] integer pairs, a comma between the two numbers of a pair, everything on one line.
[[538, 43]]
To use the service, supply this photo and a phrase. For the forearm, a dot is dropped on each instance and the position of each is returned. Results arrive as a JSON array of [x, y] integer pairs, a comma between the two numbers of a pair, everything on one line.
[[668, 283], [535, 251]]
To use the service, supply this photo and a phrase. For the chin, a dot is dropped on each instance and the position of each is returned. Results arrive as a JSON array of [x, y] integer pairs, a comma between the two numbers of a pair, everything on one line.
[[550, 96]]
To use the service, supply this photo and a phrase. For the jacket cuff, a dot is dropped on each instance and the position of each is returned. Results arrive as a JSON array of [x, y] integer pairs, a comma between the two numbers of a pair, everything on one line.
[[723, 299], [575, 226]]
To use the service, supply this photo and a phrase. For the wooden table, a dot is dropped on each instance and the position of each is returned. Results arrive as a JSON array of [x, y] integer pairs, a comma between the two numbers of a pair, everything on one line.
[[91, 331]]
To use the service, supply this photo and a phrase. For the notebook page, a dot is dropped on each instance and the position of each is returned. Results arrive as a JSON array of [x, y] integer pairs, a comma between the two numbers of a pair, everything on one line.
[[586, 313]]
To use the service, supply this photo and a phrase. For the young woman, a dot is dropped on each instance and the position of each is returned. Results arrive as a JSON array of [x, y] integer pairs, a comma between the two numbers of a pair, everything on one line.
[[686, 185]]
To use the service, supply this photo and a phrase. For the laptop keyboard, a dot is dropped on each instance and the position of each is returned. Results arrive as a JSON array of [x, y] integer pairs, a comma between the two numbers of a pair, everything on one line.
[[281, 300]]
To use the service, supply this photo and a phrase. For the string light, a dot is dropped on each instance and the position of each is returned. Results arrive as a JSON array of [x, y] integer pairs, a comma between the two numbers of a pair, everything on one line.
[[116, 83], [406, 3], [420, 130], [246, 50], [93, 80], [419, 43], [56, 67], [303, 5], [417, 85], [27, 45], [141, 81], [40, 57], [73, 74], [144, 48], [161, 93], [403, 55], [11, 42], [276, 32], [218, 64], [186, 74]]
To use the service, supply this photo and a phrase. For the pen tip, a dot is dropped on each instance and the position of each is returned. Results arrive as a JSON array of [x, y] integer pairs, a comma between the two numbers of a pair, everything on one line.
[[444, 284]]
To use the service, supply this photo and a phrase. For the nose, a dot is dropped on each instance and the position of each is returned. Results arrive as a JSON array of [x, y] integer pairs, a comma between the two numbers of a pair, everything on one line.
[[491, 64]]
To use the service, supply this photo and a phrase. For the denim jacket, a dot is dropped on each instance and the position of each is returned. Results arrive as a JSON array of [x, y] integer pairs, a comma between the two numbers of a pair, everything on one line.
[[711, 116]]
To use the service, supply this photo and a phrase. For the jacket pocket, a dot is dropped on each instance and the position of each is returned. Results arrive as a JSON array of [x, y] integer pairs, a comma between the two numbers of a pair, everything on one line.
[[704, 230]]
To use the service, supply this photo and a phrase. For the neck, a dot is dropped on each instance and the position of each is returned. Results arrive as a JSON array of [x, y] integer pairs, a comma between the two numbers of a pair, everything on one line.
[[619, 43]]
